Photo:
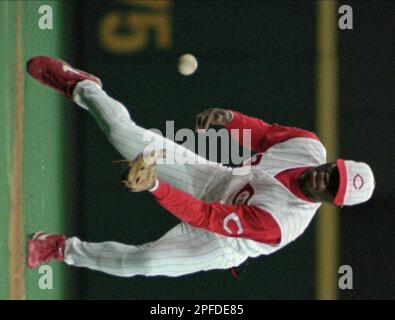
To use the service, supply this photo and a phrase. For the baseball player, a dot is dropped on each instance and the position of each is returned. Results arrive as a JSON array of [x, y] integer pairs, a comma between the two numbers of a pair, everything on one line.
[[227, 214]]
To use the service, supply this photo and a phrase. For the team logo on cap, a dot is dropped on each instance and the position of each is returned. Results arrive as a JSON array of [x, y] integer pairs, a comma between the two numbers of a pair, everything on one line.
[[358, 182]]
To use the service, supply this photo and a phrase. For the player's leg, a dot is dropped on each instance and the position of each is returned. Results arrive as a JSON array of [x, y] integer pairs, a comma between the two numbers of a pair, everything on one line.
[[113, 118], [182, 168], [183, 250]]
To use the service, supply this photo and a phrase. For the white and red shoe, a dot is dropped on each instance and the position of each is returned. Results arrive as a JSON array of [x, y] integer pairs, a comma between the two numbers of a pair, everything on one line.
[[43, 247], [58, 74]]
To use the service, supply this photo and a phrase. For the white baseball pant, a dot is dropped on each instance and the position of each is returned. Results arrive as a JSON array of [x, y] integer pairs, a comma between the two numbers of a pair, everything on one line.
[[184, 249]]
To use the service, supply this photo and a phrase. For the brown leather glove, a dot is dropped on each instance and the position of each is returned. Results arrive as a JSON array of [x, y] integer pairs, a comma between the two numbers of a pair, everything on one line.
[[140, 174]]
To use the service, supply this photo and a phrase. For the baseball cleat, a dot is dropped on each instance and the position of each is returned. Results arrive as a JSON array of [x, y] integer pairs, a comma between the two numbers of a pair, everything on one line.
[[43, 247], [58, 74]]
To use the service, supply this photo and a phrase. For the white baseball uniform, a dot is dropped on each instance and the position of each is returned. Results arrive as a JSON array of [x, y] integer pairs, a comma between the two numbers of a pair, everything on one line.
[[187, 249]]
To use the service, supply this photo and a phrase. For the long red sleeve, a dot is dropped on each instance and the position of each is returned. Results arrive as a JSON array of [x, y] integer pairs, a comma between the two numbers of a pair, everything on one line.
[[263, 135], [229, 220]]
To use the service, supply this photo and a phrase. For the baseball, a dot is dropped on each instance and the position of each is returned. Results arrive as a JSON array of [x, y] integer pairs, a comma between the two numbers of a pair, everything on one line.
[[187, 64]]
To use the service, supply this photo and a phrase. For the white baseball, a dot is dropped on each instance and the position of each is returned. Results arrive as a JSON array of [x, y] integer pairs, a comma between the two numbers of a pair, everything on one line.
[[187, 64]]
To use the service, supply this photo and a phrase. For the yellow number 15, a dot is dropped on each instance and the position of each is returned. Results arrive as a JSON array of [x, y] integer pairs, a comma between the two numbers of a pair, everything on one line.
[[139, 25]]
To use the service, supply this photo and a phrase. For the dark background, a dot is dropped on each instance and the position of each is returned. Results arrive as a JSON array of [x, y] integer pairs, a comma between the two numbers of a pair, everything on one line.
[[258, 58], [367, 105]]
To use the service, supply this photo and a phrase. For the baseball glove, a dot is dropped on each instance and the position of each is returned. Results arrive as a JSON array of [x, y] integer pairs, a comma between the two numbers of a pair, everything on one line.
[[140, 173]]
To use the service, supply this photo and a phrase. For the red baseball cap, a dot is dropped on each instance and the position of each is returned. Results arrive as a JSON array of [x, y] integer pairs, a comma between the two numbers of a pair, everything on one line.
[[356, 183]]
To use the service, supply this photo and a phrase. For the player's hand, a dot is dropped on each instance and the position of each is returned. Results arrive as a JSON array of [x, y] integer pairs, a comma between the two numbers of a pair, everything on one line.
[[212, 116]]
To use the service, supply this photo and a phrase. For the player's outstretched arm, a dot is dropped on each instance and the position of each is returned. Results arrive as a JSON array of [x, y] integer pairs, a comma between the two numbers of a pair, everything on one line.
[[262, 134], [241, 221], [239, 124]]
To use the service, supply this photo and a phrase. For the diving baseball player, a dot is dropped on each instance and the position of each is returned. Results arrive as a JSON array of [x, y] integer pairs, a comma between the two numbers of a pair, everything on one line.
[[227, 214]]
